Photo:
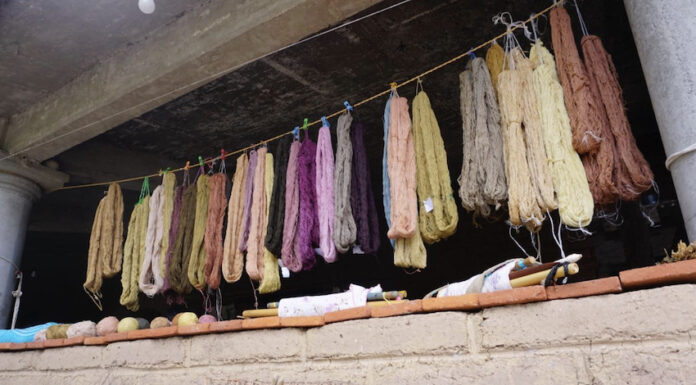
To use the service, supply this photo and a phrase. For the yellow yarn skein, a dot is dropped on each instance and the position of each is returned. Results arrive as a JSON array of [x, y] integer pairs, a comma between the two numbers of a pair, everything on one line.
[[196, 268], [494, 61], [575, 204], [134, 251], [271, 279]]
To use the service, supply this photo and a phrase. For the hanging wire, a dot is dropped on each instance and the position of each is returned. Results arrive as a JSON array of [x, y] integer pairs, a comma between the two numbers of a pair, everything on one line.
[[513, 27]]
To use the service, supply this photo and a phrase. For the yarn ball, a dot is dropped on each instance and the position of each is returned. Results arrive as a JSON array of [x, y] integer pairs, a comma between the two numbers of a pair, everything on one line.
[[143, 323], [40, 335], [175, 320], [188, 318], [57, 331], [108, 325], [159, 322], [127, 324], [84, 328], [206, 319]]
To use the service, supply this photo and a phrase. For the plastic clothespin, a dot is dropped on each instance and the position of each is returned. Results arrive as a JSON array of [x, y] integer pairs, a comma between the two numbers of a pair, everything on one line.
[[305, 124], [223, 154], [296, 132], [200, 162], [472, 55], [325, 122], [348, 106]]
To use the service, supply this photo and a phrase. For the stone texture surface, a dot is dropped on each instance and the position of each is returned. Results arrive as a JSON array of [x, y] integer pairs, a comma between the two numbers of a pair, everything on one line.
[[641, 337]]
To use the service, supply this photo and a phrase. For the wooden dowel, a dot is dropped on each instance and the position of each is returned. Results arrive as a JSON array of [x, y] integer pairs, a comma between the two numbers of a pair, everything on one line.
[[256, 313], [537, 278], [531, 270], [378, 296]]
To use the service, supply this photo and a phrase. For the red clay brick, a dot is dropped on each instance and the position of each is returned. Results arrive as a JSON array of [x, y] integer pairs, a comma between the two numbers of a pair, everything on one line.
[[72, 341], [5, 345], [457, 302], [54, 342], [261, 323], [400, 308], [109, 338], [101, 340], [35, 345], [226, 326], [677, 272], [600, 286], [348, 314], [516, 296], [190, 330], [167, 331], [18, 345], [302, 322]]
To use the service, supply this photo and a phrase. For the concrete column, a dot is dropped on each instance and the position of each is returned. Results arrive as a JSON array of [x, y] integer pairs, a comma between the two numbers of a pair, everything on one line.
[[17, 194], [665, 36]]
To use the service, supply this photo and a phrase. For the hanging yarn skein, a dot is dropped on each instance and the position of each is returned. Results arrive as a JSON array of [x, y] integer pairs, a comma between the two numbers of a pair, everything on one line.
[[213, 229], [575, 205], [494, 61], [168, 195], [482, 180], [276, 210], [289, 255], [362, 200], [386, 194], [345, 232], [583, 110], [271, 277], [325, 193], [308, 225], [151, 281], [257, 223], [248, 196], [232, 256], [196, 267], [438, 216], [134, 251], [106, 241], [173, 229], [181, 252]]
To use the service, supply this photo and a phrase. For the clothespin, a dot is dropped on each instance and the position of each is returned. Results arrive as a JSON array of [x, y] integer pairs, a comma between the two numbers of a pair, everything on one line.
[[348, 106], [296, 132], [305, 124], [472, 55], [223, 154], [325, 122], [392, 85], [200, 160], [188, 165]]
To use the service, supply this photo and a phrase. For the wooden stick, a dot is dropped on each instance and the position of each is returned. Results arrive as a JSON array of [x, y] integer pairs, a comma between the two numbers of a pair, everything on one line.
[[377, 296], [256, 313], [531, 270], [537, 278]]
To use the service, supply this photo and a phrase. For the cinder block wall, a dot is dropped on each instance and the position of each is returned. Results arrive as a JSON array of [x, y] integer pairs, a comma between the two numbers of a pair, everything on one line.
[[640, 337]]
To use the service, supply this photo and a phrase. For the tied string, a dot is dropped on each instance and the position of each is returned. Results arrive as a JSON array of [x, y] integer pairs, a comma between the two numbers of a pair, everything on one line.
[[510, 41], [512, 28], [144, 190], [583, 27]]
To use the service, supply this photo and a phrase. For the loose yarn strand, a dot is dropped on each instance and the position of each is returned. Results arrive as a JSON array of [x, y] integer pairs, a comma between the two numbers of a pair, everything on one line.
[[345, 232], [325, 194], [232, 256]]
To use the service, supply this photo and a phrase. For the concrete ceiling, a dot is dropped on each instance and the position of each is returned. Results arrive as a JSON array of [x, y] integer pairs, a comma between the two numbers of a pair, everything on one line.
[[45, 44]]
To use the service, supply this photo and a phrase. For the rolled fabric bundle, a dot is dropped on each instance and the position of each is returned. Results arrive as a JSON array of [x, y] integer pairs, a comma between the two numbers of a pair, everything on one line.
[[289, 254], [276, 211], [168, 197], [345, 232], [106, 241], [213, 229], [232, 256], [438, 217], [196, 267], [181, 252], [362, 199], [575, 204], [308, 225], [83, 328], [134, 254], [150, 281], [257, 226], [248, 196], [325, 193], [271, 277], [584, 111]]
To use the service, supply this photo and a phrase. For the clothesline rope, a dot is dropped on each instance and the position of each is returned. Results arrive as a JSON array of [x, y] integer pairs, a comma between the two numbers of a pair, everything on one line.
[[334, 114]]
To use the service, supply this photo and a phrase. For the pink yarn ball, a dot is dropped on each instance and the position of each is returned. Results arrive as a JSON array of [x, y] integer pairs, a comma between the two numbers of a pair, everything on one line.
[[206, 319], [108, 325]]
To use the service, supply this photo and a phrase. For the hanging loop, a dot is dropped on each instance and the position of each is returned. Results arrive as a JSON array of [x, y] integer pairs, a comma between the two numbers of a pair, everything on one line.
[[296, 132], [325, 122], [348, 106], [305, 124]]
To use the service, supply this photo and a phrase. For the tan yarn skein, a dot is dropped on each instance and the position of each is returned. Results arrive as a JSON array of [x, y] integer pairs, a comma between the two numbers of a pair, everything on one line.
[[345, 231], [232, 257], [575, 204], [151, 281], [181, 255], [196, 268], [271, 276], [106, 240], [213, 230], [169, 184], [134, 252], [257, 227], [432, 175]]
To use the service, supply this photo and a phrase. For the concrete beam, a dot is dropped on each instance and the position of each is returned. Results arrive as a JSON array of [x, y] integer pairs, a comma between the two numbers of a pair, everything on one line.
[[43, 176], [202, 44]]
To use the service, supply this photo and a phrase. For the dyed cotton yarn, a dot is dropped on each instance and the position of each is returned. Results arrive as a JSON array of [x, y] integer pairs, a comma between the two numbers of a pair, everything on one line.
[[276, 210], [168, 196], [307, 227], [196, 267], [41, 335], [325, 193], [213, 229], [632, 171], [575, 204], [438, 216], [105, 243], [345, 232], [173, 229], [186, 319], [127, 324], [232, 256], [494, 61], [386, 194], [257, 224], [207, 319], [181, 252], [289, 254], [82, 329], [150, 281], [482, 180], [107, 325], [57, 331], [362, 199], [248, 197], [159, 322], [583, 109], [271, 278], [134, 254]]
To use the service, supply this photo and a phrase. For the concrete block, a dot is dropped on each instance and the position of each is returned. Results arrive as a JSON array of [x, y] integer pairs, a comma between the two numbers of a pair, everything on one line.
[[162, 353], [248, 346], [17, 361], [69, 358], [441, 333]]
